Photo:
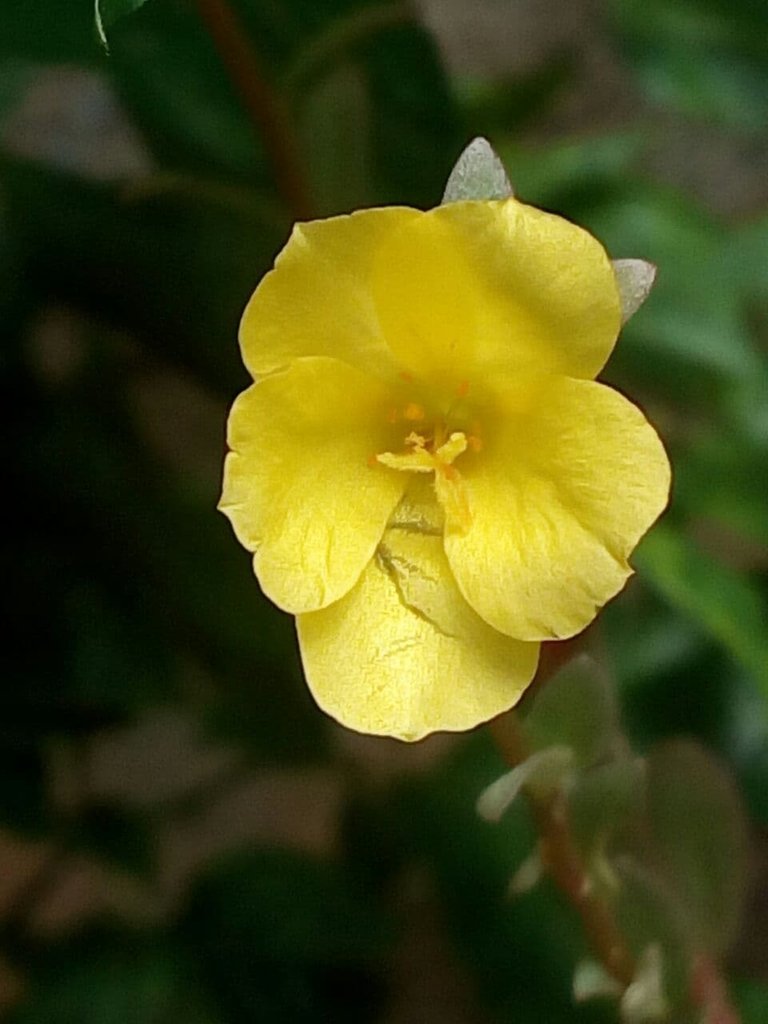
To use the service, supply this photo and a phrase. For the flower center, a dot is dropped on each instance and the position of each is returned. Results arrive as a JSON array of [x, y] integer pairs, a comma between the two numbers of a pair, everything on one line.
[[435, 451]]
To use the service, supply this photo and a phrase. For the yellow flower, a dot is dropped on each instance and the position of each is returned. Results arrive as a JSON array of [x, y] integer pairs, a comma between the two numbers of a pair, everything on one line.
[[425, 469]]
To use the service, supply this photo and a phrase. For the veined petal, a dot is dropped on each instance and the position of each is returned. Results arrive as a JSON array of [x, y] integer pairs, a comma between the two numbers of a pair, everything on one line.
[[317, 300], [472, 289], [558, 501], [299, 488], [404, 655]]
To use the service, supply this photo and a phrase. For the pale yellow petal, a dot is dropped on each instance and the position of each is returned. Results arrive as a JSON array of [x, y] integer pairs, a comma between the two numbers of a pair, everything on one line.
[[301, 485], [558, 500], [317, 301], [472, 289], [404, 655]]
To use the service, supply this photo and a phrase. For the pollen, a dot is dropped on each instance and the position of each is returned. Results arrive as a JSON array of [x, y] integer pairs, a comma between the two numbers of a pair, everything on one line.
[[437, 455], [415, 440]]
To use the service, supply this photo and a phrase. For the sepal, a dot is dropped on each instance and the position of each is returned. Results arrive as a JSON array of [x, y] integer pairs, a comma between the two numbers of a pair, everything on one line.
[[542, 772], [634, 280], [478, 174]]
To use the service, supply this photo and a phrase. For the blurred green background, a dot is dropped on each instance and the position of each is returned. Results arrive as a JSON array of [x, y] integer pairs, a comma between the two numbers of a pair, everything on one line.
[[184, 837]]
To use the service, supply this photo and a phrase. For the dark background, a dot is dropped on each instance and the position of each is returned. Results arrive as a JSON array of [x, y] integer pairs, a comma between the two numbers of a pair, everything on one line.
[[183, 835]]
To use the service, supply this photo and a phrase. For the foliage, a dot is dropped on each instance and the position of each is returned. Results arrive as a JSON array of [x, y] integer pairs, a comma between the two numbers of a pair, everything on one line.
[[130, 607]]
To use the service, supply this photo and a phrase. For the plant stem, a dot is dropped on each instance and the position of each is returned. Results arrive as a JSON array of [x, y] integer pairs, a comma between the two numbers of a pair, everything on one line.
[[562, 861], [264, 106], [561, 858]]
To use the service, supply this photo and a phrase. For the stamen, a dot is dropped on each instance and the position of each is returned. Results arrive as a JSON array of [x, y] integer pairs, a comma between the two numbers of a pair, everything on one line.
[[463, 389], [416, 440], [452, 495], [435, 454], [417, 461], [452, 448]]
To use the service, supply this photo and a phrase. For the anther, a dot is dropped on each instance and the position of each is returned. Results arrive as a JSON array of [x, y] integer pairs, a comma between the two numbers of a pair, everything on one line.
[[463, 389], [415, 440]]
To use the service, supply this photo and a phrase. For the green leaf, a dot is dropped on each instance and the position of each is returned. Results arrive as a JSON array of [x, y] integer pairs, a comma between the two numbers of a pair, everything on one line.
[[107, 12], [336, 131], [168, 74], [604, 800], [503, 106], [719, 599], [649, 914], [49, 31], [549, 176], [575, 709], [704, 57], [739, 505], [700, 832], [746, 255], [477, 174]]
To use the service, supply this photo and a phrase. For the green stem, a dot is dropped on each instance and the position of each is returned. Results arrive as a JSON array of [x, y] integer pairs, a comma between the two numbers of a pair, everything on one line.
[[263, 105]]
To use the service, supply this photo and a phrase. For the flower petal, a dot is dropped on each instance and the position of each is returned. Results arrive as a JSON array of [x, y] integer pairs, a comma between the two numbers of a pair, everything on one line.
[[404, 655], [476, 288], [557, 501], [317, 300], [299, 488]]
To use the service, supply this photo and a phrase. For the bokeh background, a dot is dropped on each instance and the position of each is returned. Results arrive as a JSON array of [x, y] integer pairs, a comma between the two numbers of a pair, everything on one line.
[[184, 837]]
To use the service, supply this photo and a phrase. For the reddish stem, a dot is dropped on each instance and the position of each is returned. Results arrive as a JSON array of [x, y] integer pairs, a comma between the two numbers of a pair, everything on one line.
[[263, 105]]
